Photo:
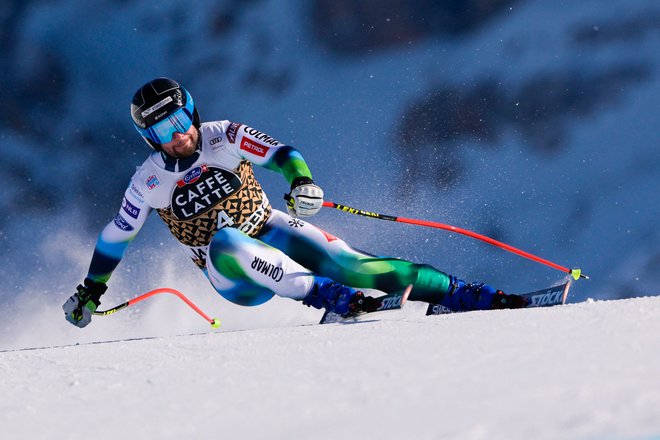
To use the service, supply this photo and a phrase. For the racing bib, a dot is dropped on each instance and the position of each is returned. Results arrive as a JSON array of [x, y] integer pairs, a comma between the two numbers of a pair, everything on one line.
[[201, 189], [208, 198]]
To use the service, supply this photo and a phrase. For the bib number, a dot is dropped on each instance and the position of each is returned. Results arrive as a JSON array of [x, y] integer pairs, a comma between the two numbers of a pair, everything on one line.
[[224, 220]]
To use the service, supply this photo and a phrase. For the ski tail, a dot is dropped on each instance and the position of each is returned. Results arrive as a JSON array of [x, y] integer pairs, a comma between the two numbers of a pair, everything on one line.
[[438, 309], [391, 301], [551, 296]]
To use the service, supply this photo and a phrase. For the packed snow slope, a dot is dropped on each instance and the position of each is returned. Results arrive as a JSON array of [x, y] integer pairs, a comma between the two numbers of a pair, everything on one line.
[[576, 76], [580, 371]]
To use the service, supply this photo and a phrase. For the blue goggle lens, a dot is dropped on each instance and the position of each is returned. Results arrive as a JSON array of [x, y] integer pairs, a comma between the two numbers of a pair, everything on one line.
[[162, 132]]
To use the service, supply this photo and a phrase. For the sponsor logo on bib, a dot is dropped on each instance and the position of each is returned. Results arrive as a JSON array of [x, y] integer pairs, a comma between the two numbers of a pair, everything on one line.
[[192, 176], [201, 189]]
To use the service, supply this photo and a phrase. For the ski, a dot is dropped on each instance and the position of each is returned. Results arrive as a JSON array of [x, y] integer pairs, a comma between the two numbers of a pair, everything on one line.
[[391, 301], [551, 296]]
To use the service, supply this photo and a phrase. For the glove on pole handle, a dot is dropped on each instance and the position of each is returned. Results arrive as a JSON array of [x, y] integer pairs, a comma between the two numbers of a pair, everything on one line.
[[215, 322], [575, 273]]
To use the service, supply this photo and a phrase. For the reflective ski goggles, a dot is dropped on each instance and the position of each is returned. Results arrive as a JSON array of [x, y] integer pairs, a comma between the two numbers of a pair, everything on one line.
[[178, 122], [162, 132]]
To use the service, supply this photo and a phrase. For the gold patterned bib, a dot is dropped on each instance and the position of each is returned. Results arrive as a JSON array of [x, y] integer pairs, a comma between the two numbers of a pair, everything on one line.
[[208, 198]]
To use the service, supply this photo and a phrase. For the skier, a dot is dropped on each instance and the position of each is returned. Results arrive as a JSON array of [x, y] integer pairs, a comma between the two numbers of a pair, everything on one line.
[[199, 179]]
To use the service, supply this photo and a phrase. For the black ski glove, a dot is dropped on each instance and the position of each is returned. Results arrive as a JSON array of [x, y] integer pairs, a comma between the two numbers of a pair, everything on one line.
[[79, 308]]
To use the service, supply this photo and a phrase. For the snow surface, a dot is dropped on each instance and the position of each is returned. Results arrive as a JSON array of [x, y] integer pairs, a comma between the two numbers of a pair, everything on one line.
[[580, 371], [583, 371]]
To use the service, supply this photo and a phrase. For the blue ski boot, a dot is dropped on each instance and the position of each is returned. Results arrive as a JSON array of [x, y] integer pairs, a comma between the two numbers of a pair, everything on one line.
[[338, 298], [463, 297]]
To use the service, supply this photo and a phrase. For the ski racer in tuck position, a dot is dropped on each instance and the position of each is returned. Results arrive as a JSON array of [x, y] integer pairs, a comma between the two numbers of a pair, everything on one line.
[[199, 180]]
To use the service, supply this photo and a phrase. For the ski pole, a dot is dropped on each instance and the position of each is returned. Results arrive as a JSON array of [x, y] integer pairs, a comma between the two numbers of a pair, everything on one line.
[[215, 322], [575, 273]]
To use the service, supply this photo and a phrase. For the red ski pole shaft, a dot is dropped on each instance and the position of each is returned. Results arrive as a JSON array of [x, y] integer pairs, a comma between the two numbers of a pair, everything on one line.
[[215, 322], [575, 273]]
